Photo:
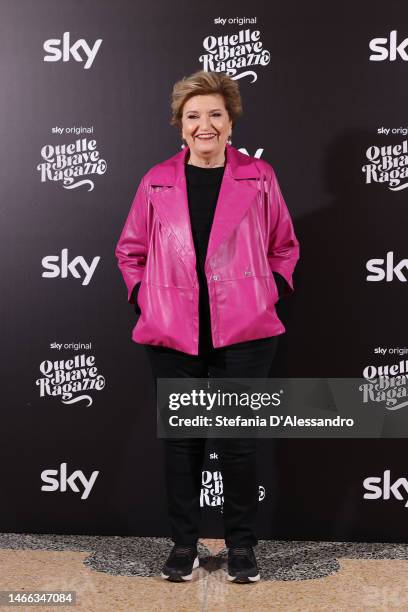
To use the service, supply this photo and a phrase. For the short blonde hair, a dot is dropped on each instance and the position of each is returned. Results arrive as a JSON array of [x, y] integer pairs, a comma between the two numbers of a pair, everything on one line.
[[203, 82]]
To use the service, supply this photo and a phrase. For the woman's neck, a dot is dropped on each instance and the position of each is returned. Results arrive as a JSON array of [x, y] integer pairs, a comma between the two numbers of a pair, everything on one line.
[[206, 162]]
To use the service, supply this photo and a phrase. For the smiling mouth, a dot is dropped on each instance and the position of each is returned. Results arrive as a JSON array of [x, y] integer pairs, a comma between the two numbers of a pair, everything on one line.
[[206, 136]]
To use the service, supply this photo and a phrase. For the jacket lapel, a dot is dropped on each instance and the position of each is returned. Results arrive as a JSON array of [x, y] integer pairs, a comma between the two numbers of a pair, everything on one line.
[[168, 194]]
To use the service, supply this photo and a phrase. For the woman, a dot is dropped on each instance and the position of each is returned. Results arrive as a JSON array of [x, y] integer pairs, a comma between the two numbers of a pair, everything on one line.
[[207, 249]]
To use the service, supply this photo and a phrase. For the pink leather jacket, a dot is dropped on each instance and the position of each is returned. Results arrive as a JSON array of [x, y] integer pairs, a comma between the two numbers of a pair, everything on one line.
[[251, 236]]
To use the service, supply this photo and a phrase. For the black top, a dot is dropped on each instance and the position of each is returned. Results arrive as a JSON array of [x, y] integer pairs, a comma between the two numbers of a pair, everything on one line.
[[203, 186]]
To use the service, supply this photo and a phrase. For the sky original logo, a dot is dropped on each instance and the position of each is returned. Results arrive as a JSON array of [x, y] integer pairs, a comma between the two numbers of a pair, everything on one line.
[[235, 54], [79, 50], [238, 20], [73, 346]]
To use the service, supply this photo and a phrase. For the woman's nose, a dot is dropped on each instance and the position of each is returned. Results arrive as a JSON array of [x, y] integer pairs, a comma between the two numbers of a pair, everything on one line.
[[205, 125]]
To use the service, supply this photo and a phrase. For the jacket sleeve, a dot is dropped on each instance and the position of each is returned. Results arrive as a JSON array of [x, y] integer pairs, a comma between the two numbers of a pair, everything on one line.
[[131, 249], [283, 246]]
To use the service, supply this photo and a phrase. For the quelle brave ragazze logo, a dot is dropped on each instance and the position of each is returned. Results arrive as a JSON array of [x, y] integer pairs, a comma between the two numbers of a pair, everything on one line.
[[238, 55], [387, 165], [386, 385], [72, 164], [70, 380]]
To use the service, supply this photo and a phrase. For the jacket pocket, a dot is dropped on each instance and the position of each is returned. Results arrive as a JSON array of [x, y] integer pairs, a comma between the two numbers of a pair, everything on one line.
[[244, 309], [167, 317]]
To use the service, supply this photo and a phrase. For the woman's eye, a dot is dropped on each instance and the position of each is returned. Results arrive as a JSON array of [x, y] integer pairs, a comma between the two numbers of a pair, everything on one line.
[[195, 116]]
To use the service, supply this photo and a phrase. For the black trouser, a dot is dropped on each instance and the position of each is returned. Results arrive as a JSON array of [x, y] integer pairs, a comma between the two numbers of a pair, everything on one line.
[[184, 457]]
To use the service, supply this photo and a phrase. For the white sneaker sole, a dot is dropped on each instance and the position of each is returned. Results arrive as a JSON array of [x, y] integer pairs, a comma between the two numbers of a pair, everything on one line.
[[238, 579], [177, 577]]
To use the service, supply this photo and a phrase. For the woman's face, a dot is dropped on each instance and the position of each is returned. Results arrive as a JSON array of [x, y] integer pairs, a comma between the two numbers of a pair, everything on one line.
[[206, 115]]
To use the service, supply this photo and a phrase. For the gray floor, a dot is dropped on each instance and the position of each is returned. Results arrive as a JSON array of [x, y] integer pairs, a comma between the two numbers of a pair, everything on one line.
[[278, 560]]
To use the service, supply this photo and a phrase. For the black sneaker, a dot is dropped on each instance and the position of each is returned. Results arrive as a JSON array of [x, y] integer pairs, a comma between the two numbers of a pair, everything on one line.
[[180, 563], [242, 565]]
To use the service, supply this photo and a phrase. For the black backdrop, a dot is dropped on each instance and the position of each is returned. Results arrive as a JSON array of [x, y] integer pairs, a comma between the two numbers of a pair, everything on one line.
[[315, 105]]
